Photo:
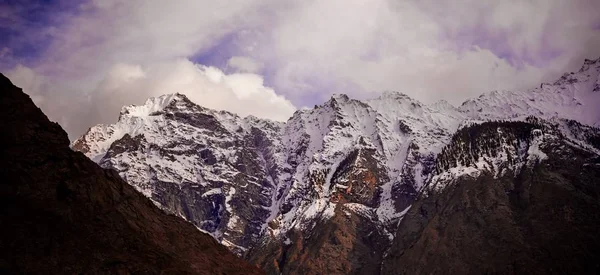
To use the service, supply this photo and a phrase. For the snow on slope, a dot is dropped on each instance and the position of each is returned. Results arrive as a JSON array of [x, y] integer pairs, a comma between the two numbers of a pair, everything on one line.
[[201, 164], [318, 140], [290, 174], [574, 96], [132, 120]]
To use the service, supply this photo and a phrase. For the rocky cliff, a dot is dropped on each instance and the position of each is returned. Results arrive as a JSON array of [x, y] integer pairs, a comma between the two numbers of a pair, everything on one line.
[[326, 191], [63, 214], [537, 213]]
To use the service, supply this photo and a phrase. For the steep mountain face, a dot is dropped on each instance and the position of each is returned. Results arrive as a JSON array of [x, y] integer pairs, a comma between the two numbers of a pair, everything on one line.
[[63, 214], [357, 168], [523, 199], [241, 179], [325, 192], [215, 169]]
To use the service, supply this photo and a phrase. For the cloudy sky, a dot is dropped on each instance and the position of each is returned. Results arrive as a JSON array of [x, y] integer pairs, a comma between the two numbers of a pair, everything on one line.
[[81, 61]]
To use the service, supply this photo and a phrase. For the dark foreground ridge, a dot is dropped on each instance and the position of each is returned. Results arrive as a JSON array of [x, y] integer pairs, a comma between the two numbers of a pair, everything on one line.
[[63, 214]]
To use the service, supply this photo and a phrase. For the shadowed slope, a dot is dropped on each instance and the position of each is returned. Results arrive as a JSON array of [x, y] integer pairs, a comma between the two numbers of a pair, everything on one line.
[[62, 213], [542, 218]]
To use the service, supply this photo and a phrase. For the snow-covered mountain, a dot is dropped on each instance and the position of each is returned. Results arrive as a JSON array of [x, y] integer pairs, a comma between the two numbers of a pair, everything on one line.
[[507, 197], [213, 168], [574, 96], [279, 188]]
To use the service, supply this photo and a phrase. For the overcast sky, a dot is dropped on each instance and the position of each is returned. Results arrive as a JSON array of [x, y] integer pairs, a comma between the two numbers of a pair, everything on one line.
[[81, 62]]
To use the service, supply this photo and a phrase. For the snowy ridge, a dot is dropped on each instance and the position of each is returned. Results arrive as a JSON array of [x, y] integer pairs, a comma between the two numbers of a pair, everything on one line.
[[246, 179], [510, 155], [151, 105], [192, 161], [574, 96], [504, 148], [132, 120], [320, 139]]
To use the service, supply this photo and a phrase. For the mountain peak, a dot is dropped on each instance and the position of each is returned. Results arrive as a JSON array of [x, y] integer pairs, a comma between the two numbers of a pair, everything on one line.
[[339, 97], [156, 104], [394, 94], [88, 217], [591, 61], [443, 105], [270, 180]]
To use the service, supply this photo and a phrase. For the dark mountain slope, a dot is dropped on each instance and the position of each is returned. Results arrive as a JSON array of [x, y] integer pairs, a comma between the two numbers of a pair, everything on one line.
[[61, 213], [541, 218]]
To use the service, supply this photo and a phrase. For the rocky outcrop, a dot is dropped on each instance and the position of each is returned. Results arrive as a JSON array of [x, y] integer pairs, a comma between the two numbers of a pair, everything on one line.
[[539, 217], [332, 184], [347, 238], [63, 214], [244, 179], [349, 242]]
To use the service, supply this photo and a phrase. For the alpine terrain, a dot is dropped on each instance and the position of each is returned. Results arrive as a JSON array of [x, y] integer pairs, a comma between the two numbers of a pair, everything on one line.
[[63, 214], [505, 183]]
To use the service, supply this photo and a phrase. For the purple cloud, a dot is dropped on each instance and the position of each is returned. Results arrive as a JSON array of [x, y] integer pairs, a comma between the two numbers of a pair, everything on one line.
[[28, 27], [304, 50], [218, 53]]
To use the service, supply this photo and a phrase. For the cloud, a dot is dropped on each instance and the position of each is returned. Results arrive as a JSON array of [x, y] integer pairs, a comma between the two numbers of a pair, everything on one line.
[[124, 84], [226, 54], [29, 81], [143, 32], [427, 49], [244, 64], [50, 97], [241, 93]]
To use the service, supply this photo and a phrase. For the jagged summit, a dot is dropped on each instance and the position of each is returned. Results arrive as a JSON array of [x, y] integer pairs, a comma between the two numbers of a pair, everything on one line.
[[591, 61], [340, 97], [63, 214], [573, 96], [257, 184], [570, 96], [172, 103], [152, 105], [393, 94]]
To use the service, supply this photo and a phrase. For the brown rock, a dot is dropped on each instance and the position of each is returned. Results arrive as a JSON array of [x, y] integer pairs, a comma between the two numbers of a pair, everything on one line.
[[347, 243], [543, 221], [63, 214]]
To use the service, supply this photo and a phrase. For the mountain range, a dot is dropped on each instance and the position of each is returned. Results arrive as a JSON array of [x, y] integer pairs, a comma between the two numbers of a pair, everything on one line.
[[336, 181], [379, 185], [504, 183]]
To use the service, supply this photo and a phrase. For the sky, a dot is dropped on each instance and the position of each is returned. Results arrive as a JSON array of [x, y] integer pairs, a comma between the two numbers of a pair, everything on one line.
[[82, 60]]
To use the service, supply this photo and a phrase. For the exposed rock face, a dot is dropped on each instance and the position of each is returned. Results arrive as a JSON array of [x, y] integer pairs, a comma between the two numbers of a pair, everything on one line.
[[350, 242], [212, 168], [349, 232], [540, 216], [243, 179], [63, 214], [325, 191]]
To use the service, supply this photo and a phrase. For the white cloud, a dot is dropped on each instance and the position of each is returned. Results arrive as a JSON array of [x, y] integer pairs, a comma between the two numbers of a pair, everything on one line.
[[29, 81], [417, 46], [241, 93], [244, 64], [49, 97], [143, 32], [124, 84], [121, 52]]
